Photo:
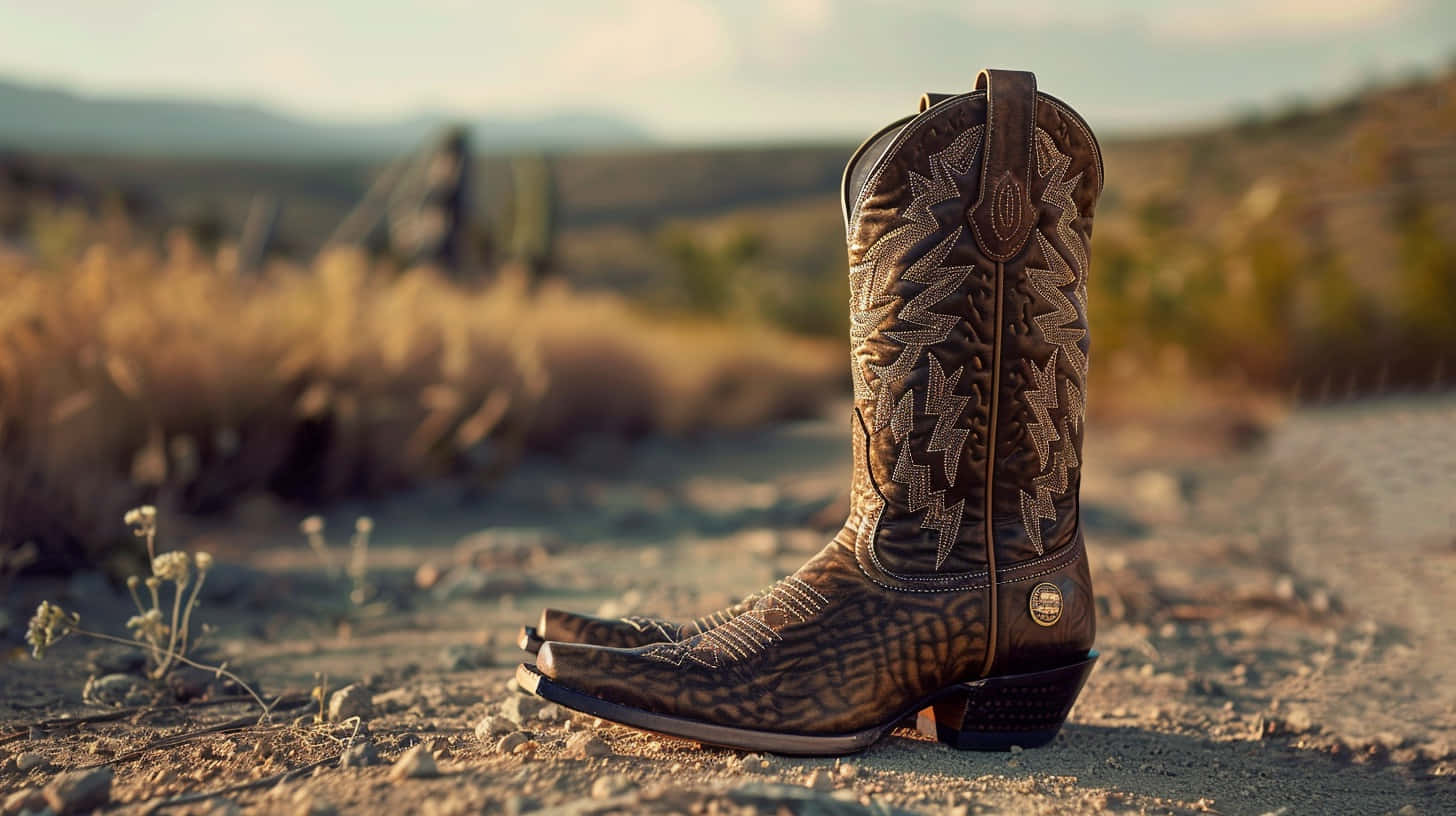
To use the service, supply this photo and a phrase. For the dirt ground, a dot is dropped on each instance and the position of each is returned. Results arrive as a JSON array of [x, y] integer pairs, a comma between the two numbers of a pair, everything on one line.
[[1275, 622]]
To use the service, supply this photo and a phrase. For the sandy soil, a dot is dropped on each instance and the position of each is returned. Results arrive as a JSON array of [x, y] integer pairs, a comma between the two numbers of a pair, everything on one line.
[[1276, 626]]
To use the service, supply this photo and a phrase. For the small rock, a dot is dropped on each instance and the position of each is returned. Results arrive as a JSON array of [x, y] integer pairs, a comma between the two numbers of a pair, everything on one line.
[[464, 656], [308, 803], [352, 700], [527, 748], [25, 799], [551, 713], [516, 804], [1284, 588], [29, 761], [583, 745], [848, 771], [1016, 749], [359, 755], [396, 700], [751, 763], [80, 791], [217, 806], [415, 764], [111, 690], [491, 727], [521, 709], [427, 575], [611, 785], [820, 780], [510, 742], [1297, 720]]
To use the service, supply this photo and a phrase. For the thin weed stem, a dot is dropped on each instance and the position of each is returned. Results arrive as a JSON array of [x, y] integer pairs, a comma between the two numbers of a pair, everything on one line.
[[218, 670], [172, 636], [187, 613]]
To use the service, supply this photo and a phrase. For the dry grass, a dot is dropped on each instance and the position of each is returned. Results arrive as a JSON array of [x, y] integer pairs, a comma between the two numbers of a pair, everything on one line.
[[129, 375]]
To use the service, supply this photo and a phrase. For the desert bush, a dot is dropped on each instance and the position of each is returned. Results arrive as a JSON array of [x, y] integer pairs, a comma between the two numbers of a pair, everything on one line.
[[129, 375]]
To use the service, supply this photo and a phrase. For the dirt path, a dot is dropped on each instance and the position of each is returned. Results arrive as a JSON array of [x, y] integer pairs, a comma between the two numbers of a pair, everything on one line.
[[1276, 630]]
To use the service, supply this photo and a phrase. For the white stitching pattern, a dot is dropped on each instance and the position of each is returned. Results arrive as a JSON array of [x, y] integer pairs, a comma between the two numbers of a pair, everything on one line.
[[747, 634], [1056, 328]]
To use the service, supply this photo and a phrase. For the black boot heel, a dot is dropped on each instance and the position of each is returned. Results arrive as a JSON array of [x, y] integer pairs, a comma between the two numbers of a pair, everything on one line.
[[998, 712]]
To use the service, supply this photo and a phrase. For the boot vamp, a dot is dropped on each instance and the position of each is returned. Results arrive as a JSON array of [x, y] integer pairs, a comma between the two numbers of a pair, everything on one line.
[[826, 651]]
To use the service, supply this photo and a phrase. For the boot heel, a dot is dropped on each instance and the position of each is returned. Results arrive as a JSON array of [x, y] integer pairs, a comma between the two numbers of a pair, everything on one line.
[[996, 713]]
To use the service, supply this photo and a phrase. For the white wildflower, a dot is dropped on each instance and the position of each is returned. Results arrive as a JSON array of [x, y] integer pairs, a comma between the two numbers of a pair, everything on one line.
[[172, 566], [49, 625]]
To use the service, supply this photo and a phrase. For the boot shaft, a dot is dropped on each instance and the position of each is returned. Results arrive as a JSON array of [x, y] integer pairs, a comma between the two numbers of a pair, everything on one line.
[[968, 229]]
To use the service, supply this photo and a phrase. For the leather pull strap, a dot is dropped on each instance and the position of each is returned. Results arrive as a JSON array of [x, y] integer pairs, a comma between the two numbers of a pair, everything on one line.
[[929, 100], [1003, 215]]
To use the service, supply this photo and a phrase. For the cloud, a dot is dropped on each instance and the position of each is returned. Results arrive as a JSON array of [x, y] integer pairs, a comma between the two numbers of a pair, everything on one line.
[[643, 40]]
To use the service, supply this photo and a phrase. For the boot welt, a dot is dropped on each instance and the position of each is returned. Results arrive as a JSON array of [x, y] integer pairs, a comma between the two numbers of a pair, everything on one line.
[[990, 714]]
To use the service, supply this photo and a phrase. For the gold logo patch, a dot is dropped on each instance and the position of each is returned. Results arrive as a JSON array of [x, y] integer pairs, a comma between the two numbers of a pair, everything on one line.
[[1046, 604]]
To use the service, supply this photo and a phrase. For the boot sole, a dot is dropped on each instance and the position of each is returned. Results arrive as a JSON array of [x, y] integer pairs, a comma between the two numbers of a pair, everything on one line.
[[529, 640], [990, 714]]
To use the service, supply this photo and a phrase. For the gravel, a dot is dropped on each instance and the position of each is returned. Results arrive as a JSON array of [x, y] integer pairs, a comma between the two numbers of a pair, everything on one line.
[[353, 700], [80, 791]]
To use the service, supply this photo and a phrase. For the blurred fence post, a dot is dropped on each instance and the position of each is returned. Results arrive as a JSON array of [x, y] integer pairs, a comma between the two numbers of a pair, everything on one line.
[[430, 215], [258, 232], [531, 241]]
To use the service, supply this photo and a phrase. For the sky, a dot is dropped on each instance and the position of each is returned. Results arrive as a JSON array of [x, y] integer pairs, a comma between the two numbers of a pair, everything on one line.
[[724, 70]]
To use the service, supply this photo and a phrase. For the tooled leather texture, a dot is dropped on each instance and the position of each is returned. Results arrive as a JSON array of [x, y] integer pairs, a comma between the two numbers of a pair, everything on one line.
[[796, 663], [898, 605]]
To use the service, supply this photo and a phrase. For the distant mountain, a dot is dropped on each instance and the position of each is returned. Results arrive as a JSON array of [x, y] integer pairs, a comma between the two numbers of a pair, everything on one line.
[[56, 121]]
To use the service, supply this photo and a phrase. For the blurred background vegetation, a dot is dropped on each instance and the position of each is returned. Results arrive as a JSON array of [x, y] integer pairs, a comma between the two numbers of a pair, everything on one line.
[[196, 331]]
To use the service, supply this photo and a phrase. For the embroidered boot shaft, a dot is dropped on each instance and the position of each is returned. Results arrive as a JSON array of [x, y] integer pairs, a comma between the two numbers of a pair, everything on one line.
[[959, 583]]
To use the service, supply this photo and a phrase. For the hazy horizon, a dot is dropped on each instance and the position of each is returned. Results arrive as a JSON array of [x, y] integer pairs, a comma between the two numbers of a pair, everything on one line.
[[712, 72]]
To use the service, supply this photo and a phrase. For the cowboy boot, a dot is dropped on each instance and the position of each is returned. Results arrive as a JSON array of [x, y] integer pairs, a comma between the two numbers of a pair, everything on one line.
[[958, 586]]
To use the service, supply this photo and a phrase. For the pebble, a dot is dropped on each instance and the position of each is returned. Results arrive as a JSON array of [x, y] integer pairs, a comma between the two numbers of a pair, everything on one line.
[[352, 700], [80, 791], [820, 780], [307, 803], [510, 742], [359, 755], [415, 764], [583, 745], [29, 761], [521, 709], [611, 785], [850, 771], [427, 575], [527, 748], [22, 800], [490, 727], [464, 656], [552, 712], [218, 806], [112, 690]]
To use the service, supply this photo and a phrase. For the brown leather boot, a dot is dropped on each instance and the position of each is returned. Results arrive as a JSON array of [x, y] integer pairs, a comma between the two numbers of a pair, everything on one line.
[[958, 586]]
